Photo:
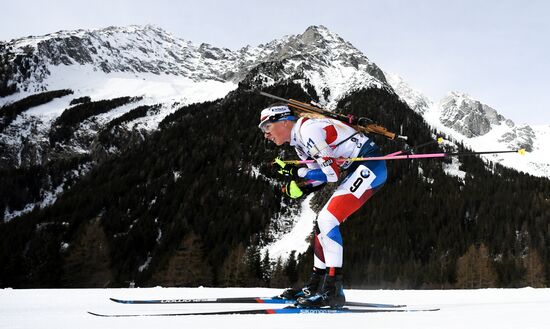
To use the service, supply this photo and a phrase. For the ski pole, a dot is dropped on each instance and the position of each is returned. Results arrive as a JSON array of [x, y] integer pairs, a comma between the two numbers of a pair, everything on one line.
[[408, 156], [439, 140]]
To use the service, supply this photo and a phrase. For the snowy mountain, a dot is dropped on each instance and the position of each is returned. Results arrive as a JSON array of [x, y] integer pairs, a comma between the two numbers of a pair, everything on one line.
[[480, 127], [416, 101], [467, 116], [158, 69], [149, 63], [158, 73], [136, 108], [332, 65], [44, 63]]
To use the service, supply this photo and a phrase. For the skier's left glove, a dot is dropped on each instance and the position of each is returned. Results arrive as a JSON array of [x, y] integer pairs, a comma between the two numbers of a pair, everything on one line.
[[286, 169], [295, 190], [292, 190]]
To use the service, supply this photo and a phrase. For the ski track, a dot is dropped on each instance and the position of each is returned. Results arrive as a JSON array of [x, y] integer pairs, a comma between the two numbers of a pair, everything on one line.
[[67, 308]]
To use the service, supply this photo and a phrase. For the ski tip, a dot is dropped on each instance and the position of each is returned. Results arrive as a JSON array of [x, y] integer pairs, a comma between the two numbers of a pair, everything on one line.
[[96, 314], [422, 310], [521, 151], [122, 301], [439, 140], [430, 310]]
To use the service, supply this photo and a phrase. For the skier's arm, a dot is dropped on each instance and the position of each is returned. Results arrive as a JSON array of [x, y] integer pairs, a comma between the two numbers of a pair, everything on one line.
[[322, 153]]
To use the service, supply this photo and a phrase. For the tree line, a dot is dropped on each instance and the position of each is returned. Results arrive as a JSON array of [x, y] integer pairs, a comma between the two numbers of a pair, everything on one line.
[[185, 207]]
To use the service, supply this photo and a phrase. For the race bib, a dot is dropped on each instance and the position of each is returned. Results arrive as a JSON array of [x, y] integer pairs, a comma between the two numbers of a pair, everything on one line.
[[359, 181]]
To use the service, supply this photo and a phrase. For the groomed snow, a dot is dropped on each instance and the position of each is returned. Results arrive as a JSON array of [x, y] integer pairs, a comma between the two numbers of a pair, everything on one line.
[[471, 309]]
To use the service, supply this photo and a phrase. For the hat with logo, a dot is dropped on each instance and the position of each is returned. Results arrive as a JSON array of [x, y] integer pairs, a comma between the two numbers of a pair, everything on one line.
[[275, 113]]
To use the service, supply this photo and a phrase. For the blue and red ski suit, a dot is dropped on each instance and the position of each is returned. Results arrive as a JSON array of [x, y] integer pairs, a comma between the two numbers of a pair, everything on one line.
[[325, 140]]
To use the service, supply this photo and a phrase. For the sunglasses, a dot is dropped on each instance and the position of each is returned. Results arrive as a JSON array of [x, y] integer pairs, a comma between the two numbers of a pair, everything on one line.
[[266, 127], [274, 118]]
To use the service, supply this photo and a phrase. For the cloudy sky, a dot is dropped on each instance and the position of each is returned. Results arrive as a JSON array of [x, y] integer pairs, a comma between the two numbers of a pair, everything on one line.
[[496, 51]]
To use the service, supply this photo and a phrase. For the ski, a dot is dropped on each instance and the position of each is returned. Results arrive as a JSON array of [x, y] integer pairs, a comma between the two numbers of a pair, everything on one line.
[[286, 310], [238, 300]]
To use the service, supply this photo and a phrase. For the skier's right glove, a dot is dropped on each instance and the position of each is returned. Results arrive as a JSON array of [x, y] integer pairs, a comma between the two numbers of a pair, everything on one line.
[[286, 169]]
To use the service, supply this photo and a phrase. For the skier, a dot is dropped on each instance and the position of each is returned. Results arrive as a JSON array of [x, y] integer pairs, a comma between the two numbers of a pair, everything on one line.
[[324, 140]]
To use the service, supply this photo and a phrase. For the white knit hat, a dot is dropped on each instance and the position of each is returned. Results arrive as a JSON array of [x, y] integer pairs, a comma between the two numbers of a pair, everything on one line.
[[274, 114]]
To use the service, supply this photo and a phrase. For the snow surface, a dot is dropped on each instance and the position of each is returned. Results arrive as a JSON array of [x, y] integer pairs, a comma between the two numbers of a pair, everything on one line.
[[173, 91], [67, 308], [154, 89]]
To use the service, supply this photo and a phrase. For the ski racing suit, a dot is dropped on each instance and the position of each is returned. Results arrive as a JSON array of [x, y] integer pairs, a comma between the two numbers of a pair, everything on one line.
[[325, 140]]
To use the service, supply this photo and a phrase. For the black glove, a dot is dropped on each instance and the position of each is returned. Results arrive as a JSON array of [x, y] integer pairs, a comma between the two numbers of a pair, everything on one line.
[[286, 169]]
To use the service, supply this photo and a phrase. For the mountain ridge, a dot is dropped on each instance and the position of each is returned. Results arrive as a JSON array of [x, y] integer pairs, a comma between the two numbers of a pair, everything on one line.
[[481, 127], [165, 72], [179, 176]]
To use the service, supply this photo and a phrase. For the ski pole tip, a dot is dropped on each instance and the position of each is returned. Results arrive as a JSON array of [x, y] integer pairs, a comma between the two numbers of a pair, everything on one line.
[[439, 140], [521, 151]]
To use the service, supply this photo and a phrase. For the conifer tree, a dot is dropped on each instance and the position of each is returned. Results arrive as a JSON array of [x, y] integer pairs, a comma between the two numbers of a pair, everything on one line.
[[266, 268], [187, 266], [474, 269], [87, 261], [233, 271], [534, 270], [279, 278], [254, 266], [290, 268]]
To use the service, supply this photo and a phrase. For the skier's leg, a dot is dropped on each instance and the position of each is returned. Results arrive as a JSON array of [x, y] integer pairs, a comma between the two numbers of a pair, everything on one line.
[[318, 254], [354, 191], [316, 278]]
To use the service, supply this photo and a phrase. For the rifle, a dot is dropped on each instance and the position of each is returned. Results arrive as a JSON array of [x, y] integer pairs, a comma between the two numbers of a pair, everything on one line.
[[359, 123]]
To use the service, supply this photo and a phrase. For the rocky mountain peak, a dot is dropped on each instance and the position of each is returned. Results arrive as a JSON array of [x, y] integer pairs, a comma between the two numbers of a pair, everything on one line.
[[333, 66], [468, 116], [322, 58], [320, 35]]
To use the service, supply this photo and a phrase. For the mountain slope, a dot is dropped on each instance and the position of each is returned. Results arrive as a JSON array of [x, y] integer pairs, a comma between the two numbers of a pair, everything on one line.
[[481, 128], [163, 176], [150, 63], [160, 72]]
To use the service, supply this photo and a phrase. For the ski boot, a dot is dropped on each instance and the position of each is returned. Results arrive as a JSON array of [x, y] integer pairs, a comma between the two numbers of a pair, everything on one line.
[[309, 289], [331, 294]]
